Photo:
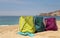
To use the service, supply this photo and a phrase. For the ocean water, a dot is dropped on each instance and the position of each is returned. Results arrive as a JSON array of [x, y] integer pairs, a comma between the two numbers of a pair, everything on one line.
[[12, 20], [9, 20]]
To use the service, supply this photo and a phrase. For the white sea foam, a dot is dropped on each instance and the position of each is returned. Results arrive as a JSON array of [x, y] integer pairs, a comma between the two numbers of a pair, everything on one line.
[[4, 25], [7, 25]]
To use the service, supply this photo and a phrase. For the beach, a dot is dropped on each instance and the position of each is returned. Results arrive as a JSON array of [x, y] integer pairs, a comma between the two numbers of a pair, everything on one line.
[[11, 32]]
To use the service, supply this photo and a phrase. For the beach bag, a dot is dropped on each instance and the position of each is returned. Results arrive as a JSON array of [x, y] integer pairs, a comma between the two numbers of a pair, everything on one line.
[[26, 25], [50, 24], [39, 24]]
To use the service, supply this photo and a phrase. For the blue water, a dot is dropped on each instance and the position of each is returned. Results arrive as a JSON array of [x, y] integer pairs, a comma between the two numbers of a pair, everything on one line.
[[9, 20], [12, 20]]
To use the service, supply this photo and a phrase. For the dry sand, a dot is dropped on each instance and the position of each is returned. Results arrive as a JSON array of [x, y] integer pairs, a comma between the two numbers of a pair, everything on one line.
[[11, 32]]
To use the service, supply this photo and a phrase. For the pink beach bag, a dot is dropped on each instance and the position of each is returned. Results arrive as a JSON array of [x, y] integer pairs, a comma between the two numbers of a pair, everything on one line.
[[50, 24]]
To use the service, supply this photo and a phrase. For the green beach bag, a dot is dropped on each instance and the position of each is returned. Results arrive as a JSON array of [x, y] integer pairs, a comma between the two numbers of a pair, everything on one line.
[[39, 24]]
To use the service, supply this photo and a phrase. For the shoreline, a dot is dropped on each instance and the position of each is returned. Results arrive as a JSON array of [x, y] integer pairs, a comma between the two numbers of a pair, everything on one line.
[[9, 25]]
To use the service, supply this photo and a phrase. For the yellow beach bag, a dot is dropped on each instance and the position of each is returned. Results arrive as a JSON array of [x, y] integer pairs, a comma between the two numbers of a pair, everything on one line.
[[26, 24]]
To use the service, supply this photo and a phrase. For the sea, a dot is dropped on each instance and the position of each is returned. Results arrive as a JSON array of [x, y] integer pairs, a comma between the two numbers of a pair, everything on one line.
[[9, 20], [13, 20]]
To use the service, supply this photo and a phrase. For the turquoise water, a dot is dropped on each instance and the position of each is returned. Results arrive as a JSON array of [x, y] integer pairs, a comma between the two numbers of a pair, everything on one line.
[[9, 20], [12, 20]]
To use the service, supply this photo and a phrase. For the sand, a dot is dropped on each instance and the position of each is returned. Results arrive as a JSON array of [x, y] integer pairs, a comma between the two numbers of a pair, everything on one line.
[[11, 32]]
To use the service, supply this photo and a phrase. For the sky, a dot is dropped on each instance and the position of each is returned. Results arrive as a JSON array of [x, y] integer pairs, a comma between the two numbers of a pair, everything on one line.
[[27, 7]]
